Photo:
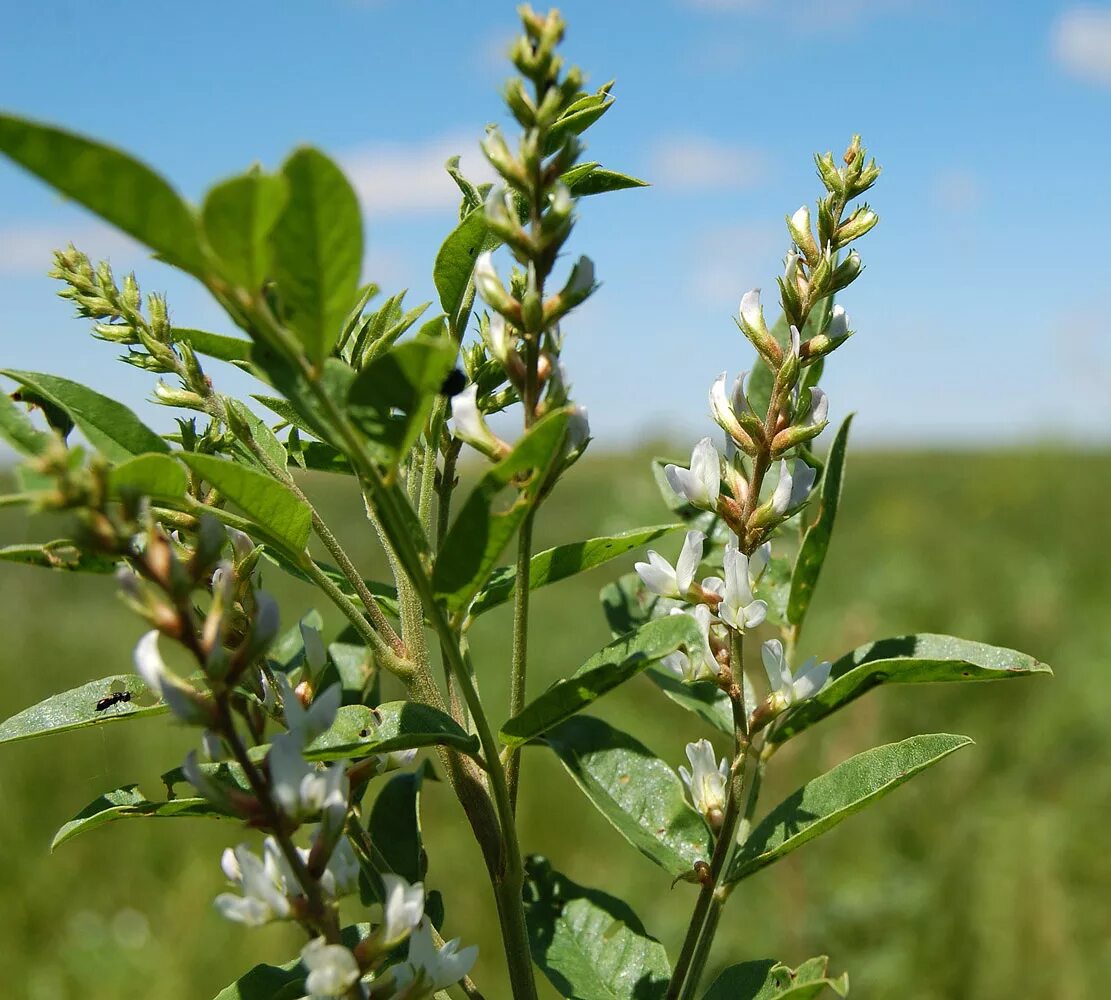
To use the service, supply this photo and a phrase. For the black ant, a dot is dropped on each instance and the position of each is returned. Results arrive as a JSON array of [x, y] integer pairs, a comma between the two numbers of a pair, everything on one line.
[[113, 699]]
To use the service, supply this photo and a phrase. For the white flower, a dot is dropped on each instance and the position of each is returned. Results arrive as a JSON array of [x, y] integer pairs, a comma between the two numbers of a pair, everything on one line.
[[578, 429], [801, 219], [659, 576], [796, 342], [341, 875], [308, 723], [581, 282], [701, 664], [469, 424], [395, 760], [701, 483], [402, 909], [819, 407], [739, 609], [752, 315], [487, 282], [429, 968], [793, 487], [333, 970], [706, 781], [301, 790], [264, 883], [839, 324], [498, 339], [787, 689], [182, 699], [790, 264]]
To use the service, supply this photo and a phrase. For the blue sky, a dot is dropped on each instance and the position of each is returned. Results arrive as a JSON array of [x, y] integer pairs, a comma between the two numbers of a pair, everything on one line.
[[981, 316]]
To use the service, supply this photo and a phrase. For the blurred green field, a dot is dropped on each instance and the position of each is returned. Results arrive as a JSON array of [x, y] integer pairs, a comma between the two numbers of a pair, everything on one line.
[[987, 878]]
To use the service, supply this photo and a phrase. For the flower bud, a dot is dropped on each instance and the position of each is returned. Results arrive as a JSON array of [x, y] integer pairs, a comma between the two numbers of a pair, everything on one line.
[[753, 326], [491, 289], [799, 227], [502, 160], [725, 415], [855, 226], [169, 396], [579, 287], [847, 272], [520, 103], [470, 426], [831, 176]]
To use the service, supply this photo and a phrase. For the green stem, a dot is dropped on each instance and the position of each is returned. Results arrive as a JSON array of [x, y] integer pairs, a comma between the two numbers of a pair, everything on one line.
[[518, 670]]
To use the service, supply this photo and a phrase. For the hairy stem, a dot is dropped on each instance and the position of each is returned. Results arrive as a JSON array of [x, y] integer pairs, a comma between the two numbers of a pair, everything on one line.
[[518, 670]]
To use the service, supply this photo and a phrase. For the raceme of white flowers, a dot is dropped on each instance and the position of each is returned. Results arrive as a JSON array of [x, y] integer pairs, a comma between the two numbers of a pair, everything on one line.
[[787, 688]]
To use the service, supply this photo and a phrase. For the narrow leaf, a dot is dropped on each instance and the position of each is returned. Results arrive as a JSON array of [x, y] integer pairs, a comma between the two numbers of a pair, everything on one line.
[[609, 667], [566, 560], [318, 250], [590, 945], [636, 791], [478, 535], [815, 543], [156, 476], [454, 268], [602, 181], [834, 796], [907, 659], [239, 215], [360, 731], [129, 803], [704, 698], [61, 554], [391, 398], [270, 504], [110, 183], [215, 345], [110, 426], [77, 708]]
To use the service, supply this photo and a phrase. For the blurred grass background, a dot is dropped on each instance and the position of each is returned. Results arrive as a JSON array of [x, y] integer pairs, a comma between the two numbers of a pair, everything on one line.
[[986, 878]]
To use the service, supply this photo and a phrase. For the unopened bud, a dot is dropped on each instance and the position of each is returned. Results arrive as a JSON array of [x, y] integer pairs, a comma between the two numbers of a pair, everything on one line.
[[753, 326], [799, 227], [847, 272], [855, 226]]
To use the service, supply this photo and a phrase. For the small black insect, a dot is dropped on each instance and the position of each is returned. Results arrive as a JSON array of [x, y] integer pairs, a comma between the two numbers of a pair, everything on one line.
[[454, 384], [113, 699]]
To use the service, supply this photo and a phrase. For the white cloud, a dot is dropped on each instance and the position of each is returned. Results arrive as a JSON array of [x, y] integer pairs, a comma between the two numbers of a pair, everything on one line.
[[396, 178], [697, 163], [1081, 42], [28, 248], [729, 260]]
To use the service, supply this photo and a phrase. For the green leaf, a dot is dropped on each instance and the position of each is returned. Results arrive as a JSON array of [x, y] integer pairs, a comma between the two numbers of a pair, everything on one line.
[[627, 604], [609, 667], [262, 435], [76, 709], [129, 803], [239, 216], [215, 345], [360, 731], [17, 429], [156, 476], [834, 796], [61, 554], [391, 398], [110, 426], [767, 979], [110, 183], [907, 659], [601, 181], [566, 560], [270, 504], [815, 543], [636, 791], [590, 945], [394, 825], [318, 250], [704, 698], [478, 534], [453, 271]]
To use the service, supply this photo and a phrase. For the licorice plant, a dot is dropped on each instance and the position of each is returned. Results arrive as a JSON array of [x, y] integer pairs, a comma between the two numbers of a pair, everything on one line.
[[315, 776]]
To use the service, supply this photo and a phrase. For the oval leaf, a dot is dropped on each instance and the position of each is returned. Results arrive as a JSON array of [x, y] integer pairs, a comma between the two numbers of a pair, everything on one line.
[[129, 803], [590, 945], [19, 432], [77, 708], [155, 476], [834, 796], [398, 725], [270, 504], [610, 666], [110, 426], [239, 215], [566, 560], [478, 535], [454, 268], [704, 698], [907, 659], [394, 826], [318, 250], [770, 980], [391, 398], [110, 183], [815, 543], [636, 791]]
